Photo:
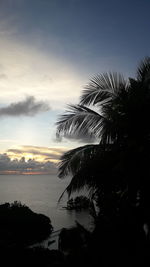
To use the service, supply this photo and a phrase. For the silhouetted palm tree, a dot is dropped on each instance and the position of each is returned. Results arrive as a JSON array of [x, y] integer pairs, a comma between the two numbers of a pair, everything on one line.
[[116, 112]]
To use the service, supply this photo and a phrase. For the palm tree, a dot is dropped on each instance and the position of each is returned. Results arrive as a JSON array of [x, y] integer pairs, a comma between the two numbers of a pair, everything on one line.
[[116, 112]]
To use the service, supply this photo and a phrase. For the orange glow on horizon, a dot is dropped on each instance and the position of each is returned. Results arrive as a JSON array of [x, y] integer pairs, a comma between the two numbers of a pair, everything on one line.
[[24, 173], [40, 154]]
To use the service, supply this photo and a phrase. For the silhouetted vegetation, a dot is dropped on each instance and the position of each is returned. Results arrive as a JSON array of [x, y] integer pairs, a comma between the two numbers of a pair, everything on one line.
[[116, 169], [78, 203], [19, 226], [34, 257], [73, 243]]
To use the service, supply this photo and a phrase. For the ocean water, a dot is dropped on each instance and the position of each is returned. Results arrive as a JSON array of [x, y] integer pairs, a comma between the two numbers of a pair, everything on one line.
[[41, 194]]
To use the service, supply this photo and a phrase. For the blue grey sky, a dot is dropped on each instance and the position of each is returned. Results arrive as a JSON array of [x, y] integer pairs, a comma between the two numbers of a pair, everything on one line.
[[50, 48]]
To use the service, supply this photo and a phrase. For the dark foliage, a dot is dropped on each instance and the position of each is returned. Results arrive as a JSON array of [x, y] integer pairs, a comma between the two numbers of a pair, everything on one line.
[[78, 203], [25, 257], [116, 170], [19, 226]]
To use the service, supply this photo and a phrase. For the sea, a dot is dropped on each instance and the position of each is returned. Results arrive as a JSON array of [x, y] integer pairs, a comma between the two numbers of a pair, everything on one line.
[[41, 194]]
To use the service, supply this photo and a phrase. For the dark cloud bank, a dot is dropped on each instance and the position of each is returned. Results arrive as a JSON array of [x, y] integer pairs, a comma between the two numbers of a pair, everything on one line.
[[81, 138], [28, 107], [22, 167]]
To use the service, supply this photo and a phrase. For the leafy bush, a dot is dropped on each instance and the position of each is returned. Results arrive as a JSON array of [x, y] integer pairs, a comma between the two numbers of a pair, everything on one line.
[[20, 225]]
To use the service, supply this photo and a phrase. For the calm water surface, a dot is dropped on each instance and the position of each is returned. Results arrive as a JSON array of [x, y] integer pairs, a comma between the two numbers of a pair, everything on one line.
[[41, 194]]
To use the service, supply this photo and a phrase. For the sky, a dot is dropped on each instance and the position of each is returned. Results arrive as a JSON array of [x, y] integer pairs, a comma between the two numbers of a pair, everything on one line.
[[49, 49]]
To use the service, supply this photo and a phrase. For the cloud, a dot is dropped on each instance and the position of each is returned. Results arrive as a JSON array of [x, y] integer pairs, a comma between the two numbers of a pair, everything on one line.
[[3, 76], [30, 160], [29, 69], [31, 166], [81, 138], [35, 152], [28, 107]]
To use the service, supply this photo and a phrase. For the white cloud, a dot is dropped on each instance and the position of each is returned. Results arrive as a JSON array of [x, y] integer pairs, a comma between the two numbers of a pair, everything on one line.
[[26, 70]]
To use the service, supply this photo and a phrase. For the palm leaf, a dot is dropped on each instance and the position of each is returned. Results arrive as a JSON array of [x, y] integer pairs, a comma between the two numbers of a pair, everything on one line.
[[73, 160], [92, 168], [80, 163], [143, 71], [79, 120], [102, 88], [83, 179]]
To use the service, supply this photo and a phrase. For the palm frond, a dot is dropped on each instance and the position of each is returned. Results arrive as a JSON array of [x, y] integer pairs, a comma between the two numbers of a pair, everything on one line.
[[93, 167], [102, 88], [81, 180], [79, 120], [143, 71], [73, 160], [77, 183]]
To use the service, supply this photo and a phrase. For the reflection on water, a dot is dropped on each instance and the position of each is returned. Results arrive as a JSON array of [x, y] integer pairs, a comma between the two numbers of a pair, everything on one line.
[[41, 194]]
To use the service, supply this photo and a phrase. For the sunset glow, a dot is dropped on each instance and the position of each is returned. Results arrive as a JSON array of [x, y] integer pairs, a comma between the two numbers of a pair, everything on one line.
[[49, 50], [41, 154]]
